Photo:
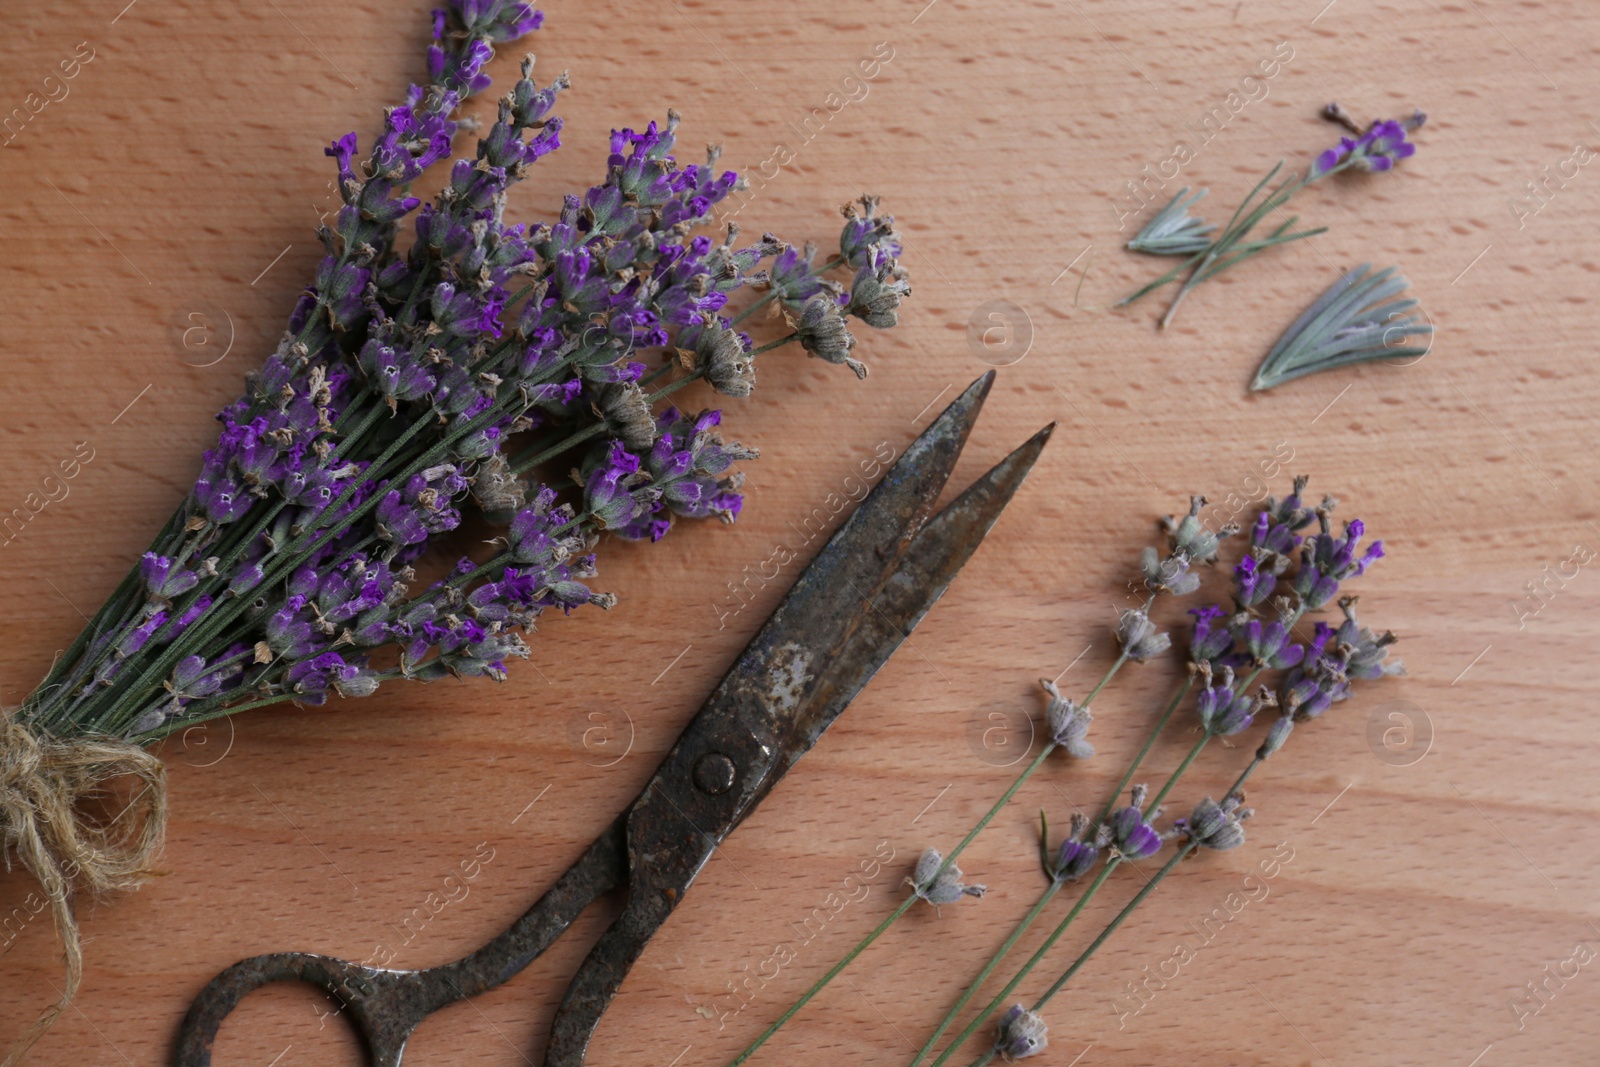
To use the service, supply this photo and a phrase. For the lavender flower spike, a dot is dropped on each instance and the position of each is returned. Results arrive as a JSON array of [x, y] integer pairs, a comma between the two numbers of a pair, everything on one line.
[[1215, 826], [940, 887], [1128, 831], [1382, 146], [1068, 722], [1022, 1034], [1138, 637]]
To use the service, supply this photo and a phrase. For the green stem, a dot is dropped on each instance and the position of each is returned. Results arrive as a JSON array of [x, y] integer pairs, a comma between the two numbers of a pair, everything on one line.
[[833, 972], [1172, 779], [1105, 934], [1161, 724], [1088, 895], [1033, 961], [983, 976]]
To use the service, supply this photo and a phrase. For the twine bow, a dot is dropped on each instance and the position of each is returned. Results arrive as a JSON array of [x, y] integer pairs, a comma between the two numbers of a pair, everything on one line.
[[42, 781]]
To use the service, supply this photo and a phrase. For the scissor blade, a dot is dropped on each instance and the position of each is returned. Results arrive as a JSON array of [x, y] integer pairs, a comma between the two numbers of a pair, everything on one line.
[[925, 570], [862, 554]]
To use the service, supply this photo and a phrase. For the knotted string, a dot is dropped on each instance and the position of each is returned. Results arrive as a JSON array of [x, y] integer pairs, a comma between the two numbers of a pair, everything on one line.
[[42, 782]]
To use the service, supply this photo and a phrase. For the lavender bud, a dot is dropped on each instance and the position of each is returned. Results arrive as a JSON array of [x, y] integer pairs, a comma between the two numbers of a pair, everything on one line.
[[1190, 538], [1022, 1034], [627, 414], [720, 355], [1068, 723], [1210, 642], [1281, 729], [822, 332], [876, 292], [1216, 826], [1138, 637], [940, 887], [1369, 652], [1170, 575], [1128, 831], [498, 490], [1221, 711]]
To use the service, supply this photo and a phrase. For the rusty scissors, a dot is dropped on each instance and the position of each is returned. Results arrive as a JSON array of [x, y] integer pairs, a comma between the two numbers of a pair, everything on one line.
[[849, 610]]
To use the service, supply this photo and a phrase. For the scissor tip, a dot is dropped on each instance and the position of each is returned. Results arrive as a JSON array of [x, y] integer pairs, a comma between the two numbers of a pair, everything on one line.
[[1044, 434]]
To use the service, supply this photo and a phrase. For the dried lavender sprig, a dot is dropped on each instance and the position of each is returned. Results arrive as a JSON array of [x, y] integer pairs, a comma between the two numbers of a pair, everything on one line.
[[1053, 886]]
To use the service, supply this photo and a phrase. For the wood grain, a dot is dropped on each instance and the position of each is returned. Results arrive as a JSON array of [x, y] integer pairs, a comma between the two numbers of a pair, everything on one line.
[[182, 173]]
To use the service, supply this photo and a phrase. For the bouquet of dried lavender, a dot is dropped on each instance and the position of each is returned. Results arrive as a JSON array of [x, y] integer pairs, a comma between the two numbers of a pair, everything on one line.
[[489, 366], [1252, 634]]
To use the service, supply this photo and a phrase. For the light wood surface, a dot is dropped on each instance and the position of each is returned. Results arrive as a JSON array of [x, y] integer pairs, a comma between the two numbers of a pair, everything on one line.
[[182, 173]]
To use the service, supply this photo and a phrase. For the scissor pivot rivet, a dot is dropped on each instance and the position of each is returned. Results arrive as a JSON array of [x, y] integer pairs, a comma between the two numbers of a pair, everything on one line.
[[714, 774]]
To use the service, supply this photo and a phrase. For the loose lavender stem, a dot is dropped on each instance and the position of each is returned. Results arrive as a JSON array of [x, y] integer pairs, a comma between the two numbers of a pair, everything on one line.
[[1161, 724], [1110, 929], [905, 906], [989, 968], [988, 817], [1052, 889], [1055, 935]]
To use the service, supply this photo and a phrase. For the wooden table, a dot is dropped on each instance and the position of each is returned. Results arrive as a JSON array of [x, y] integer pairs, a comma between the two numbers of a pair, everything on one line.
[[1430, 882]]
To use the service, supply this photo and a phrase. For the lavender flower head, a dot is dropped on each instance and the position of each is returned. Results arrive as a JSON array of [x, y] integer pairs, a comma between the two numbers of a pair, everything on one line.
[[1022, 1034], [1211, 639], [1215, 826], [1068, 722], [1222, 711], [939, 887], [1138, 637], [1076, 856], [1189, 537], [1128, 831], [1382, 146]]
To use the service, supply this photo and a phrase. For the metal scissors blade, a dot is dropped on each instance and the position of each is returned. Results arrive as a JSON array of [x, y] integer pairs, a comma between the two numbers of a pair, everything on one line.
[[852, 606]]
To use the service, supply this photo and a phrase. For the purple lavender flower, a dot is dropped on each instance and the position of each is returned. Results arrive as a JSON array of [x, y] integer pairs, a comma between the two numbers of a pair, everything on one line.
[[1268, 645], [1129, 832], [1253, 582], [1210, 642], [866, 230], [1221, 711], [1022, 1034], [1327, 560], [1074, 860], [1380, 148], [940, 886], [1319, 683], [162, 580], [1215, 826]]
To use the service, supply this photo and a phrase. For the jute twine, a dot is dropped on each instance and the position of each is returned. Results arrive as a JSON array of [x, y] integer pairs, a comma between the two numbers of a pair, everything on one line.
[[42, 782]]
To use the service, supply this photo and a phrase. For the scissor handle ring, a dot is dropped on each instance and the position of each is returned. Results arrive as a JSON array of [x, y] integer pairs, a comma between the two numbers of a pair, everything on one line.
[[376, 998]]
